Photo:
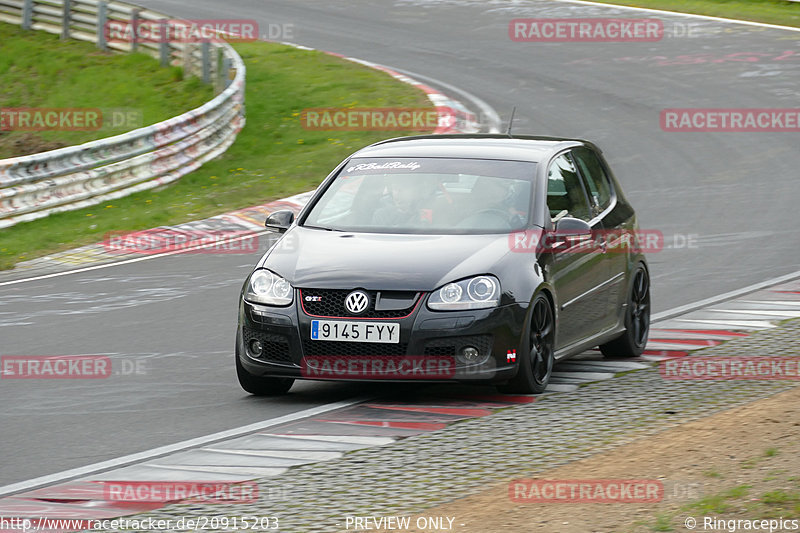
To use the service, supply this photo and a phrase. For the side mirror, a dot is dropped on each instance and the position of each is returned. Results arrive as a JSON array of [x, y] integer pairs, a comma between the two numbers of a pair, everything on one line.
[[568, 227], [279, 220]]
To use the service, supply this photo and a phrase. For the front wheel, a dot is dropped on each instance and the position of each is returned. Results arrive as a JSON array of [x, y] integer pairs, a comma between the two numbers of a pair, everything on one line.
[[536, 367], [633, 340], [258, 385]]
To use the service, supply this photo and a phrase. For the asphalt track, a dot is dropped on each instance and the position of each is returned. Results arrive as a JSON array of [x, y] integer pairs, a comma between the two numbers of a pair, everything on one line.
[[736, 193]]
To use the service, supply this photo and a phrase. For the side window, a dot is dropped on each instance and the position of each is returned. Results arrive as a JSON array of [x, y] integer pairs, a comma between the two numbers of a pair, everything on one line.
[[596, 179], [565, 195]]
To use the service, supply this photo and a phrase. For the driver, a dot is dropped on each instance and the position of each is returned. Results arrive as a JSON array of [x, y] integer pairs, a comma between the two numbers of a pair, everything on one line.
[[491, 193], [489, 198], [405, 195]]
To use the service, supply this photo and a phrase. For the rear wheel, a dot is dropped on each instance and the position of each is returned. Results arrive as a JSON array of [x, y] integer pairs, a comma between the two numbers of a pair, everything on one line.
[[637, 320], [536, 367], [258, 385]]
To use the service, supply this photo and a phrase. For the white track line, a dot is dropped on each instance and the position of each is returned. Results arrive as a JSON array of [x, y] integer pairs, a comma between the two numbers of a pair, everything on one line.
[[683, 309], [95, 468], [485, 109]]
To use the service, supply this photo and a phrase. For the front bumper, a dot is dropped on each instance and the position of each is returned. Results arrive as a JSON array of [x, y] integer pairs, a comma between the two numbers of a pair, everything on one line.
[[425, 335]]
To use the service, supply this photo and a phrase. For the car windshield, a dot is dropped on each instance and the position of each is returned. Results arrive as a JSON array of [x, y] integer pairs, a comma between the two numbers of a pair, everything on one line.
[[426, 195]]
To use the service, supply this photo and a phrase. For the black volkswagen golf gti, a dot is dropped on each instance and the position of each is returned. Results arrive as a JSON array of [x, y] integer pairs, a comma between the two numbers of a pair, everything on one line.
[[464, 258]]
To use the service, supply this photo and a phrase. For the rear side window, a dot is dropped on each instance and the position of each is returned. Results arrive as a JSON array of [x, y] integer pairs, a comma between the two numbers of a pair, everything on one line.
[[565, 195], [599, 186]]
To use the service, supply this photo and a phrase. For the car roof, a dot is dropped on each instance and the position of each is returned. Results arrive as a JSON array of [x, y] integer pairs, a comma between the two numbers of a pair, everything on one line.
[[472, 146]]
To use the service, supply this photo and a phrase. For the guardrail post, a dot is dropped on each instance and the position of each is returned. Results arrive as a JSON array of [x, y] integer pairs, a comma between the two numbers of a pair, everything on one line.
[[163, 46], [188, 53], [66, 20], [205, 49], [27, 14], [102, 21], [135, 29], [218, 71], [218, 55], [226, 71]]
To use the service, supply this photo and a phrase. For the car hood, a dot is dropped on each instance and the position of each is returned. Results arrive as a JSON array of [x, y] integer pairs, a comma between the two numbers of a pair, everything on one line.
[[341, 260]]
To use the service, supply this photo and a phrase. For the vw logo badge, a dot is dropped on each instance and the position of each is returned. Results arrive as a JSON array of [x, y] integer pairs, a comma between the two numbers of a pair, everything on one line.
[[357, 302]]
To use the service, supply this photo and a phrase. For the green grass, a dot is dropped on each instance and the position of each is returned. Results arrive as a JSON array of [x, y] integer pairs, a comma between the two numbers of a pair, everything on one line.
[[753, 461], [777, 497], [750, 463], [273, 156], [779, 12], [663, 522], [776, 504], [773, 475], [40, 70], [718, 503]]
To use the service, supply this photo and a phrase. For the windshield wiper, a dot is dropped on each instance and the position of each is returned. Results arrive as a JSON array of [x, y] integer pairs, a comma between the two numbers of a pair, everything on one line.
[[320, 227]]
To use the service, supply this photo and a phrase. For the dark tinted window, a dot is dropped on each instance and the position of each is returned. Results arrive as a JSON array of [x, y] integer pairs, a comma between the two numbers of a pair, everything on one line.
[[596, 178], [565, 194]]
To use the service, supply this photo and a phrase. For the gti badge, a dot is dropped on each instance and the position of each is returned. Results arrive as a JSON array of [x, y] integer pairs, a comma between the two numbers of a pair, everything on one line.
[[313, 298], [357, 302]]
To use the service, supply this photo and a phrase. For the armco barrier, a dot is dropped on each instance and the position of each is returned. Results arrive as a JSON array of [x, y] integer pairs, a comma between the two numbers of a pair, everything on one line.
[[36, 185]]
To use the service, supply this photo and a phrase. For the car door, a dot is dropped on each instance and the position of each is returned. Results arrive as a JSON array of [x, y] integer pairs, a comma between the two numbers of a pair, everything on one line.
[[577, 269], [602, 199]]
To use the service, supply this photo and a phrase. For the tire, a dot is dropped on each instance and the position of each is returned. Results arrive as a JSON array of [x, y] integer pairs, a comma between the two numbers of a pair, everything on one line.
[[536, 367], [632, 342], [257, 385]]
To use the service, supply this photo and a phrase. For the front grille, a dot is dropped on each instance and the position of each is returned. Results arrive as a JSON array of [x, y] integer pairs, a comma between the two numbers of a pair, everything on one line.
[[276, 347], [331, 303], [453, 345], [358, 349], [440, 350]]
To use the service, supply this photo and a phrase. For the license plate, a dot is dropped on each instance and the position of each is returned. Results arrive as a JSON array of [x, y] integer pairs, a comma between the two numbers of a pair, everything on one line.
[[335, 330]]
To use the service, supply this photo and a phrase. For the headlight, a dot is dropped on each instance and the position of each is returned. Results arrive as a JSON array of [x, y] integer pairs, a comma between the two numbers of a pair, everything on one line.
[[480, 292], [268, 288]]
